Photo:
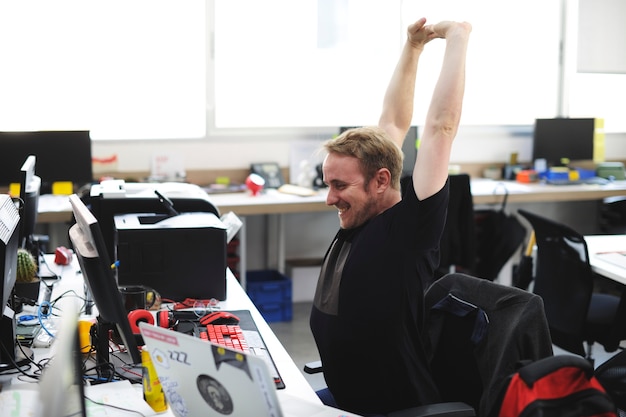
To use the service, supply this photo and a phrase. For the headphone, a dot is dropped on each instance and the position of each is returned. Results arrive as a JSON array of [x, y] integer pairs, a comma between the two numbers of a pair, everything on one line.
[[163, 318]]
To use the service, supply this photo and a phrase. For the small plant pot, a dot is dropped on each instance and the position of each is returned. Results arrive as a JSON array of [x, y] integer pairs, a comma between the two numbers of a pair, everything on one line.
[[28, 292]]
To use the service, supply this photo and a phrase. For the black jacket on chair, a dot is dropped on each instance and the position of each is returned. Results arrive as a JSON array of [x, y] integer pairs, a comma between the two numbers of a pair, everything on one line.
[[480, 331]]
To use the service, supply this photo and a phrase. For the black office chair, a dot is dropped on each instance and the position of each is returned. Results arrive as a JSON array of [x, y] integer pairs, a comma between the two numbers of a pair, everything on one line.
[[613, 215], [612, 376], [564, 279], [458, 242], [499, 235], [479, 332]]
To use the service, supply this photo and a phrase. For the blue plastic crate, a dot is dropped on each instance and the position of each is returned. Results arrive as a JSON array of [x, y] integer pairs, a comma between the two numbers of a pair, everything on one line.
[[273, 312], [271, 293], [585, 174]]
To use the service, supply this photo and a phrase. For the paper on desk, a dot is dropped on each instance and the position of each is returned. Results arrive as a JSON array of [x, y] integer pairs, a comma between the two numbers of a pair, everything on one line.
[[50, 203], [21, 400], [123, 395], [487, 187], [616, 257]]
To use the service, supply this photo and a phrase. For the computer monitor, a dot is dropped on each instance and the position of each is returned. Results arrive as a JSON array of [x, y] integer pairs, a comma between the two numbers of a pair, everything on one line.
[[10, 355], [563, 138], [30, 186], [409, 148], [61, 156], [95, 264]]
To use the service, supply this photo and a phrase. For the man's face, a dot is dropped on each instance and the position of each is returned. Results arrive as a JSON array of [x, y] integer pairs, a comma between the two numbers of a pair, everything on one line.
[[347, 191]]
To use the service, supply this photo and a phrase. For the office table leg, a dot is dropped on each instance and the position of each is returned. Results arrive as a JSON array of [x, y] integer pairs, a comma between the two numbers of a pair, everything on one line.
[[242, 253], [276, 242]]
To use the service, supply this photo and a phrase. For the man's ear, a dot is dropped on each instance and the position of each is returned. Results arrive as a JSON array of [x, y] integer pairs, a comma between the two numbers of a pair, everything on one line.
[[383, 179]]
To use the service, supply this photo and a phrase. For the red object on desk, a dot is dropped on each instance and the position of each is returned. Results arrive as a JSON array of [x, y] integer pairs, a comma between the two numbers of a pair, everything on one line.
[[62, 256], [255, 183], [527, 176]]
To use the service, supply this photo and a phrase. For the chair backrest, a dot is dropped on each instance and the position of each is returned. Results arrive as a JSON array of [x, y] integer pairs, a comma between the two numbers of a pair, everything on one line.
[[563, 278], [458, 241], [498, 236], [478, 333], [612, 376], [613, 215]]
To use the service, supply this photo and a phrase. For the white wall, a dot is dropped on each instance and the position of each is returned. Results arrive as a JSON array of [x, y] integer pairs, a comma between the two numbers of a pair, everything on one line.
[[473, 144]]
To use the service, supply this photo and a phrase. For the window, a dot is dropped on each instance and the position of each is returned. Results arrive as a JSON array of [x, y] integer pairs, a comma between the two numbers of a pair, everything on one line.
[[121, 69], [180, 69], [327, 63], [597, 84]]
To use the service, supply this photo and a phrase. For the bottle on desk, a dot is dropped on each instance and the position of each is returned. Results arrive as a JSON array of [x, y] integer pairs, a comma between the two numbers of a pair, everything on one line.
[[152, 390]]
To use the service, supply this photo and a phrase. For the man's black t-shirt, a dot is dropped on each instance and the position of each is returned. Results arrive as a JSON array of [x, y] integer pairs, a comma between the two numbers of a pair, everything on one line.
[[367, 314]]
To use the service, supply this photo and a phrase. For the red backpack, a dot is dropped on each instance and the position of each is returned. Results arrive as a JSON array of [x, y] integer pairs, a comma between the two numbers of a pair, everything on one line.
[[557, 386]]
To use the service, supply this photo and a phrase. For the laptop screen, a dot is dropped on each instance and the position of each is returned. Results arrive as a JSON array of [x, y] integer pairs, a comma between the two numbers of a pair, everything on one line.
[[61, 389]]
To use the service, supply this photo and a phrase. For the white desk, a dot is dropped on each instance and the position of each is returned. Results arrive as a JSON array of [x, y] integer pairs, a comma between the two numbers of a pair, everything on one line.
[[606, 243], [56, 209], [485, 191], [296, 386]]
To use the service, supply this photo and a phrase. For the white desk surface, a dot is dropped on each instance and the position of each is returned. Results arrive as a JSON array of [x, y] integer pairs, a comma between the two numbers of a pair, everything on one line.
[[606, 243], [296, 388], [484, 191]]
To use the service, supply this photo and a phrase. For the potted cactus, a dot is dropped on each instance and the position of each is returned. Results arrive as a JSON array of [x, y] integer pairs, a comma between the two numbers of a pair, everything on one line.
[[27, 281]]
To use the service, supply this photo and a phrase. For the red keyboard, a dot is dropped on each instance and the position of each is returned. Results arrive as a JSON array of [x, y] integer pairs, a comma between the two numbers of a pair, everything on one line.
[[226, 335]]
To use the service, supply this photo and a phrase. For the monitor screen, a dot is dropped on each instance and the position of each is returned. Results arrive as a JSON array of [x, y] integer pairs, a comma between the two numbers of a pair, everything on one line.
[[61, 156], [10, 356], [556, 139], [95, 265], [9, 237], [30, 186]]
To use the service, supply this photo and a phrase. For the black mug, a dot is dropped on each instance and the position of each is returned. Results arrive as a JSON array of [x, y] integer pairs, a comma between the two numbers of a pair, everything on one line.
[[136, 297]]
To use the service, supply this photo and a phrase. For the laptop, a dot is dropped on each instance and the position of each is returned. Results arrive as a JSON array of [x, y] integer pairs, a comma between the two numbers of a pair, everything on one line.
[[60, 391], [61, 388], [200, 378]]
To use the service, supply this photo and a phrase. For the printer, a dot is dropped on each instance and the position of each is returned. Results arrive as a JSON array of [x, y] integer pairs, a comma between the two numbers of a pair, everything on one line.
[[112, 197], [180, 256], [176, 246]]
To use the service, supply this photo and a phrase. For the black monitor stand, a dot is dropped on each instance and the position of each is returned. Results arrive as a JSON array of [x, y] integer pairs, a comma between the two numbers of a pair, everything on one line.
[[100, 339], [11, 356]]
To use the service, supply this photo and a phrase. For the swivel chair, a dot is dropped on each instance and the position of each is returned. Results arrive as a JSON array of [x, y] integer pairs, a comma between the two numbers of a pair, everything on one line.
[[499, 236], [458, 242], [479, 332], [564, 279], [613, 215]]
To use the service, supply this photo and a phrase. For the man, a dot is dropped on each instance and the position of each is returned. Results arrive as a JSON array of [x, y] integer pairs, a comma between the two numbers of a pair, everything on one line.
[[367, 312]]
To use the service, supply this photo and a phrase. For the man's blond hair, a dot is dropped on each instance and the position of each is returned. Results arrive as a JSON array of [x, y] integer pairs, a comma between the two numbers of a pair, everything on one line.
[[373, 148]]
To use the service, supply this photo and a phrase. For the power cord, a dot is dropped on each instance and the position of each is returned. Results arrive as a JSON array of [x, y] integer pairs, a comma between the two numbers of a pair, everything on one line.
[[43, 312], [16, 367], [55, 276]]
